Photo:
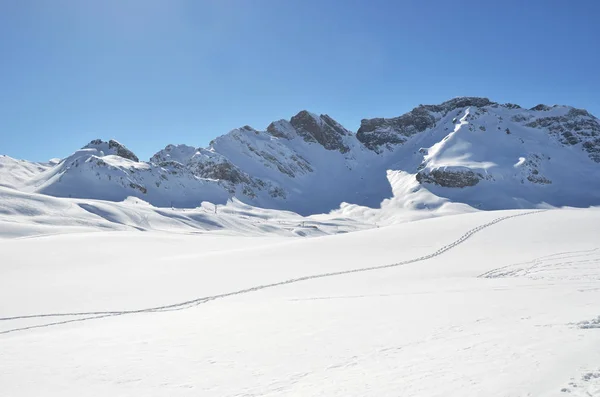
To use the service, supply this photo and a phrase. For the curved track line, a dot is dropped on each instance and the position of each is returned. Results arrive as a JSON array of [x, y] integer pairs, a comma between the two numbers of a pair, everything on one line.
[[198, 301], [537, 261]]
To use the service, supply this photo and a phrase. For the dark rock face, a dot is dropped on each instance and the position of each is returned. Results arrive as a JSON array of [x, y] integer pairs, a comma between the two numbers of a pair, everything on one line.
[[577, 126], [225, 171], [539, 179], [541, 108], [449, 178], [380, 133], [512, 106], [275, 130], [460, 102], [593, 149], [521, 118], [531, 167], [173, 155], [120, 149], [322, 129], [138, 187], [374, 133], [248, 129]]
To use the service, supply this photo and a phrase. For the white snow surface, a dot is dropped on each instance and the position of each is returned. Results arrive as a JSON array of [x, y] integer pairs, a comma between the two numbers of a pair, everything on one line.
[[27, 215], [496, 303], [14, 173]]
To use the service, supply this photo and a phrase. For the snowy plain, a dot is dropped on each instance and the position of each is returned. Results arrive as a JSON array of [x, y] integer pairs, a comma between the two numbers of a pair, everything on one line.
[[498, 303]]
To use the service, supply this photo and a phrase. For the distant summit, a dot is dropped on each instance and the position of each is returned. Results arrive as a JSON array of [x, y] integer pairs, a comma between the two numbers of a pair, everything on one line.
[[112, 147]]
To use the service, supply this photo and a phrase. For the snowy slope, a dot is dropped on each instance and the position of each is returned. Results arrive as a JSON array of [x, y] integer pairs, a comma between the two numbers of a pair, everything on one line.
[[494, 158], [482, 304], [26, 215], [15, 173]]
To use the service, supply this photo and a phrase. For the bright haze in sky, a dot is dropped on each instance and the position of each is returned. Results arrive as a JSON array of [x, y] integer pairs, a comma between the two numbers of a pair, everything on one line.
[[149, 72]]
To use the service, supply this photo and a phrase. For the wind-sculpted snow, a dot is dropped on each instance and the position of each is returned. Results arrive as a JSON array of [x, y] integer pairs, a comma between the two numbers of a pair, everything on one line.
[[28, 215], [15, 173], [187, 304]]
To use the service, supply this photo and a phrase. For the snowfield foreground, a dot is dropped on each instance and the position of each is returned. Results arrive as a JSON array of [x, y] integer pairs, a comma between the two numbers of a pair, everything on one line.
[[500, 303]]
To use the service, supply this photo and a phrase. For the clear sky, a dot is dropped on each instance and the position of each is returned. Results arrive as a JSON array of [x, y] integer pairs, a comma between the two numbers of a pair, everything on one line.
[[153, 72]]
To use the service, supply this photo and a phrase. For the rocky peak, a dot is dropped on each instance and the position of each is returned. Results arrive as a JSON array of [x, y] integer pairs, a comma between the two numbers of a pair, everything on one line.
[[208, 164], [322, 129], [281, 129], [575, 127], [574, 112], [112, 147], [541, 108], [457, 103], [247, 129], [511, 106], [381, 133], [173, 153]]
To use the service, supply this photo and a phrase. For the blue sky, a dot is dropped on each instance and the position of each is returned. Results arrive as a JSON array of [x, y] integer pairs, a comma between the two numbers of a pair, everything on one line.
[[149, 72]]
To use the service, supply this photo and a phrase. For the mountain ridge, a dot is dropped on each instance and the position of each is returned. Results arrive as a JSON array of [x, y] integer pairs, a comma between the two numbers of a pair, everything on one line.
[[467, 149]]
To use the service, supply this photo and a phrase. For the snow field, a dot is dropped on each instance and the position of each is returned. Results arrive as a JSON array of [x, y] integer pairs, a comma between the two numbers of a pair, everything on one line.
[[439, 326]]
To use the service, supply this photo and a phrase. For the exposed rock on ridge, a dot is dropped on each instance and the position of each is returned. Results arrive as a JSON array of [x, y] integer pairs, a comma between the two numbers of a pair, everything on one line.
[[322, 129], [112, 147], [379, 133]]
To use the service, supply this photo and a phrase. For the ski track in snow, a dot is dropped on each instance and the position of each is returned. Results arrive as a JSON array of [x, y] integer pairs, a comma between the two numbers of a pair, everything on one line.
[[552, 266], [198, 301]]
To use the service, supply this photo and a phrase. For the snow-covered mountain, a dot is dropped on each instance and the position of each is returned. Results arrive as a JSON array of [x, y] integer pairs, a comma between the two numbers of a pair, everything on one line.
[[465, 150]]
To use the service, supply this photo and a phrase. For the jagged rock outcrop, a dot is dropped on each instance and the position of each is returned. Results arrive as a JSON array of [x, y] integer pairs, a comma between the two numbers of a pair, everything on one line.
[[206, 164], [577, 126], [112, 147], [450, 177], [281, 129], [380, 133], [322, 129], [541, 108], [512, 106], [173, 154], [457, 103]]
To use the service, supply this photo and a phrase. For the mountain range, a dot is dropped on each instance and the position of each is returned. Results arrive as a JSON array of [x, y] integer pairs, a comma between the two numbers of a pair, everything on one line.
[[467, 150]]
